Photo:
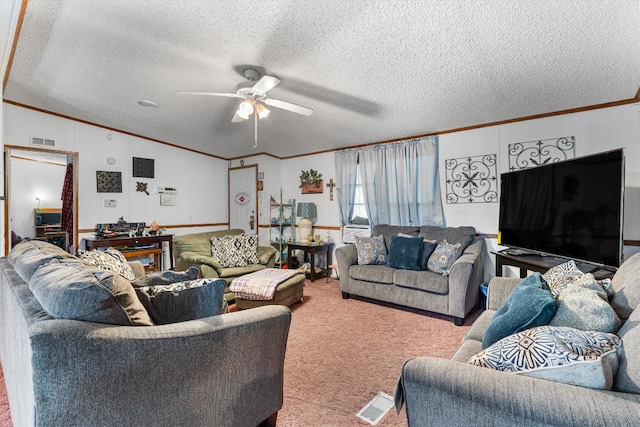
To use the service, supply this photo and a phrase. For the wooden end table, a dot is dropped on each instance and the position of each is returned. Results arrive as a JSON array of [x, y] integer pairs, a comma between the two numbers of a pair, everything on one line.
[[311, 249]]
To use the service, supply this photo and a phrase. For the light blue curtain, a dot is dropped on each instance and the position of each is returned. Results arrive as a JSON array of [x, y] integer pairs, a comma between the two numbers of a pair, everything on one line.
[[346, 168], [401, 182]]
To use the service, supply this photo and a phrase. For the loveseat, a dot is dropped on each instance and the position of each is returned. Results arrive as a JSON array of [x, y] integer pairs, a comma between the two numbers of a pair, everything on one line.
[[454, 293], [222, 370], [195, 250], [452, 392]]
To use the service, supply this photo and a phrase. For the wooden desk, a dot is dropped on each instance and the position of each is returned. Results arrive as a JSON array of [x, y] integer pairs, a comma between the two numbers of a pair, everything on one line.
[[132, 242], [311, 249], [543, 263]]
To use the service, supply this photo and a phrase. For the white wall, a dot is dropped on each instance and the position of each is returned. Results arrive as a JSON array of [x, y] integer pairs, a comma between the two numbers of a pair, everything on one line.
[[202, 180]]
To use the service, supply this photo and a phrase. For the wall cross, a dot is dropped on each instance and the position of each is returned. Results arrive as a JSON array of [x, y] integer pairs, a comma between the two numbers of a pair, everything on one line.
[[331, 184]]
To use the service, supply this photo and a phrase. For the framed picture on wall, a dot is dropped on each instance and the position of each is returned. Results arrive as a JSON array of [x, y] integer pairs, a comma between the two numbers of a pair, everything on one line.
[[109, 182]]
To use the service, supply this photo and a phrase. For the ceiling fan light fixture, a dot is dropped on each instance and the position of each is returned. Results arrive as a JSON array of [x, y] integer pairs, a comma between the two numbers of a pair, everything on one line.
[[246, 107], [262, 111]]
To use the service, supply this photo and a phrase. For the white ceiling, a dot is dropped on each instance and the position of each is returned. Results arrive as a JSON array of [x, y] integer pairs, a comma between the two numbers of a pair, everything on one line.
[[372, 70]]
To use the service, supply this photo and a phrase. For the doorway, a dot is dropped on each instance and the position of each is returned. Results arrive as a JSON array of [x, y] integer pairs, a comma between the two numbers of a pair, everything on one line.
[[243, 198], [34, 178]]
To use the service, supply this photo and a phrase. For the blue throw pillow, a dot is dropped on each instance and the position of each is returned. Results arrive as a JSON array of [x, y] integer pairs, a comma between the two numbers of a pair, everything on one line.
[[428, 246], [530, 304], [405, 253]]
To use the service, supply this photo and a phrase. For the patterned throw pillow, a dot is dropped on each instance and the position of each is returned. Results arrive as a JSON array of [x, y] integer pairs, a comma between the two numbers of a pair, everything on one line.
[[179, 302], [561, 275], [371, 250], [110, 259], [235, 250], [443, 257], [567, 355]]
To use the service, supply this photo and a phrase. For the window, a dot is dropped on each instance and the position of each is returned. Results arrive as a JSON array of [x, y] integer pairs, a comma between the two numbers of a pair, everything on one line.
[[359, 209]]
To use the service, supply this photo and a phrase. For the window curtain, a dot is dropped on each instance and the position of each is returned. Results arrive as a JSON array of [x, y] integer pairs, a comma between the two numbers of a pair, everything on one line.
[[66, 219], [346, 168], [401, 182]]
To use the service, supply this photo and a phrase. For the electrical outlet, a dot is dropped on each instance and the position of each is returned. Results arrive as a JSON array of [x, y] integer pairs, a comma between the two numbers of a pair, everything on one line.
[[110, 203]]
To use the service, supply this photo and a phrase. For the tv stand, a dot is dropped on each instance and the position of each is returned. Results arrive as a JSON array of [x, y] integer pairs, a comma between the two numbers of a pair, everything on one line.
[[543, 262]]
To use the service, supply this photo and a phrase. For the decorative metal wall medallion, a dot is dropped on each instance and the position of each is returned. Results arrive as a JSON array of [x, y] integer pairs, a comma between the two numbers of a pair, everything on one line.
[[523, 155], [109, 182], [472, 179], [143, 168]]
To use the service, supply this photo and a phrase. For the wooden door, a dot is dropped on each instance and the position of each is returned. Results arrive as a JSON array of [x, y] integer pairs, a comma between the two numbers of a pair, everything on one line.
[[243, 198]]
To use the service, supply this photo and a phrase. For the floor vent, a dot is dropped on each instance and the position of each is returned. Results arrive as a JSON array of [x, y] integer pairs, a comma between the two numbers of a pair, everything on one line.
[[375, 410], [43, 142]]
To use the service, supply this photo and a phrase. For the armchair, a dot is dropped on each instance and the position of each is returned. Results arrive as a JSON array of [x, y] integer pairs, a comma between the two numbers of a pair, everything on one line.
[[195, 250]]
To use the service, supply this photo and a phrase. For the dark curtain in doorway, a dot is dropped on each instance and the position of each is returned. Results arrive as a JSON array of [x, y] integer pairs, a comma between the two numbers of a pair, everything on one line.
[[66, 220]]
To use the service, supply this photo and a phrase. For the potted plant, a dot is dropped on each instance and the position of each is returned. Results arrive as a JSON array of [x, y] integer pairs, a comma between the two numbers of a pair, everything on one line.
[[310, 181]]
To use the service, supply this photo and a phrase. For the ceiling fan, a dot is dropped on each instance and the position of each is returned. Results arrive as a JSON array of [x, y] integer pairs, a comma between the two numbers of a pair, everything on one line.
[[255, 99]]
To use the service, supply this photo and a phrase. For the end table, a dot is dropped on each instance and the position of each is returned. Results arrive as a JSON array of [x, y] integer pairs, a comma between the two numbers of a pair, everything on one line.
[[311, 249]]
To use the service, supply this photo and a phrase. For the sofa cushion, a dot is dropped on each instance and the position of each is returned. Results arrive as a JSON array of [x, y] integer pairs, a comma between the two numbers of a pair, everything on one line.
[[110, 259], [372, 273], [232, 251], [182, 301], [443, 257], [626, 283], [583, 304], [567, 355], [423, 280], [462, 235], [28, 255], [628, 376], [371, 250], [75, 290], [529, 304], [238, 271], [388, 231], [405, 253]]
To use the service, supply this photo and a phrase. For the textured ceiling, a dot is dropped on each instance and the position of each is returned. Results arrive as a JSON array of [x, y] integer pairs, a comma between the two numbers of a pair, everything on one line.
[[372, 70]]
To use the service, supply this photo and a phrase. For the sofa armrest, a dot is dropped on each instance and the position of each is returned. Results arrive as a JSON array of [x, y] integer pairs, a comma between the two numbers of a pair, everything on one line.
[[465, 278], [267, 255], [499, 290], [346, 256], [442, 392], [138, 269], [212, 371], [192, 258]]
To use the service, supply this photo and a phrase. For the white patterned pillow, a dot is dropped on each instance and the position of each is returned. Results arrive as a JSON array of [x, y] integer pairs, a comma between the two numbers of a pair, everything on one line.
[[251, 248], [561, 354], [561, 275], [229, 250], [443, 257], [371, 250], [110, 259]]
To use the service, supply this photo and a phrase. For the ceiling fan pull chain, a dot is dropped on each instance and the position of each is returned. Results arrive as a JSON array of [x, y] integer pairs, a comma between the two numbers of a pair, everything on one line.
[[255, 128]]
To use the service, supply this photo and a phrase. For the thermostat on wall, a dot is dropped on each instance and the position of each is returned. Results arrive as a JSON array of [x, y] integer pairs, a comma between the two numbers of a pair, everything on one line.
[[166, 190]]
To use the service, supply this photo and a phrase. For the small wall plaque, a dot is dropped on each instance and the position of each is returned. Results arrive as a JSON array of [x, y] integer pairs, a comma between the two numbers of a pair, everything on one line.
[[143, 168], [109, 182]]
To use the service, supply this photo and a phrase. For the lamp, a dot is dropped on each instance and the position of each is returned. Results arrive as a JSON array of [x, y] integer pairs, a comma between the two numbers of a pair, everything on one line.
[[309, 215], [262, 111], [245, 109]]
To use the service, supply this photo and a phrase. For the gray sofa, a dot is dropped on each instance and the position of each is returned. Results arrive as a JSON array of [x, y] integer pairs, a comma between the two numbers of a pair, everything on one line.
[[224, 370], [451, 392], [453, 295]]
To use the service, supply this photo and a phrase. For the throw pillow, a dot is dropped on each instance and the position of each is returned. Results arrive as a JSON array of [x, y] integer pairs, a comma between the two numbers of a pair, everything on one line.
[[371, 250], [251, 248], [405, 253], [428, 246], [443, 257], [75, 290], [166, 277], [567, 355], [229, 250], [561, 275], [529, 304], [583, 304], [179, 302], [110, 259]]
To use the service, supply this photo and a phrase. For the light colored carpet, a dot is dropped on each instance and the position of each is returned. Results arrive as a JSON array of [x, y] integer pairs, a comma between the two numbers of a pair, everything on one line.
[[340, 353]]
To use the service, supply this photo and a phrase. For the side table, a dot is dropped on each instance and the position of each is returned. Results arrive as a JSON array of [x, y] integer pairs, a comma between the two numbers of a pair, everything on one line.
[[129, 246], [312, 249]]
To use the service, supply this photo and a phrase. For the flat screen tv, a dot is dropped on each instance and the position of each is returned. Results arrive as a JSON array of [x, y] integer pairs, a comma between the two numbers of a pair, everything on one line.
[[571, 209]]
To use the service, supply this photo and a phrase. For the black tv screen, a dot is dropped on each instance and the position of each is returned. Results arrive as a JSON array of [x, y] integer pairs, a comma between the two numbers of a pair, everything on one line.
[[571, 209]]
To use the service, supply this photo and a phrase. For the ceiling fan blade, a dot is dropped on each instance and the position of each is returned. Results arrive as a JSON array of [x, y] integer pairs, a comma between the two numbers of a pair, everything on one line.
[[228, 95], [237, 118], [288, 106], [265, 83]]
